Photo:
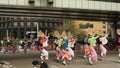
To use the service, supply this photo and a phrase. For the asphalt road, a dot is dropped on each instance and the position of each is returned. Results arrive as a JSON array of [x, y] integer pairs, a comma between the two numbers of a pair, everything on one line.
[[21, 60]]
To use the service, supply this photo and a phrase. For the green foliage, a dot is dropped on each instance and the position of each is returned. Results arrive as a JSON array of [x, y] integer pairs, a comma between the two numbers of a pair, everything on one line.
[[78, 33], [5, 43], [15, 43]]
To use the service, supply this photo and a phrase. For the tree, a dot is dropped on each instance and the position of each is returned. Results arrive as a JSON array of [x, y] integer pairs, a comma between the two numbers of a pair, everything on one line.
[[70, 26]]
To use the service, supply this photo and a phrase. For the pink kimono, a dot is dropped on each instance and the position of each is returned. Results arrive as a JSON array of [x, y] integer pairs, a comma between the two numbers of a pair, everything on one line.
[[59, 54], [93, 54]]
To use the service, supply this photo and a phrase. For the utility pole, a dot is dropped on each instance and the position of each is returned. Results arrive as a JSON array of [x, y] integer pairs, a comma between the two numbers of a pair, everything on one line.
[[37, 30]]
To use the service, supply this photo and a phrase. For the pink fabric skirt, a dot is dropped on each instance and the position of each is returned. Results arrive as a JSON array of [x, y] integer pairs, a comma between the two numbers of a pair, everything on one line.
[[59, 54], [93, 54]]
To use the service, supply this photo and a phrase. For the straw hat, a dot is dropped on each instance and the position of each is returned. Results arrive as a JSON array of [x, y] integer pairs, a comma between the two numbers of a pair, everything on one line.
[[91, 34], [41, 34], [63, 35], [70, 35], [57, 34]]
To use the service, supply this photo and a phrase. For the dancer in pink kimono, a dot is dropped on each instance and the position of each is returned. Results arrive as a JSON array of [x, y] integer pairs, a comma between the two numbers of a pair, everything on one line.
[[104, 41], [119, 53], [118, 42], [92, 43], [59, 53]]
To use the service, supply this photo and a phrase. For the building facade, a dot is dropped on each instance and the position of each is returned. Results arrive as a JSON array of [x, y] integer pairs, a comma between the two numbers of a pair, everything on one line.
[[19, 18], [109, 5], [92, 26]]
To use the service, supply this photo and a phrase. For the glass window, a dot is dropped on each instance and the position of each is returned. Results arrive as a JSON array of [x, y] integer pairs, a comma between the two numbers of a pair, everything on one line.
[[22, 24], [87, 25], [103, 5], [65, 3], [15, 24], [0, 25], [41, 24], [5, 24], [72, 3], [20, 2], [9, 24], [91, 4], [51, 25], [43, 2], [37, 2], [118, 6], [35, 24], [78, 3], [85, 4], [104, 25], [97, 5], [46, 24], [4, 2], [58, 3], [82, 26], [55, 24], [15, 33], [91, 26], [114, 6], [108, 6], [28, 24], [13, 2]]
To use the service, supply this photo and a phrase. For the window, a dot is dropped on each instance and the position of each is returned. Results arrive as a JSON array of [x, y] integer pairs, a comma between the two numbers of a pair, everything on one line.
[[87, 25], [51, 25], [46, 24], [15, 24], [28, 24], [5, 25], [0, 25], [22, 24], [91, 25], [35, 24], [104, 25], [40, 24]]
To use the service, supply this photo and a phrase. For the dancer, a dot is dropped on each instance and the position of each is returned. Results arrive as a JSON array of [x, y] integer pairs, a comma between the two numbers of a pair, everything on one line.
[[66, 53], [66, 56], [119, 53], [59, 42], [70, 46], [104, 41], [92, 43], [44, 53], [59, 54], [58, 49], [86, 48], [118, 42], [44, 38], [43, 44]]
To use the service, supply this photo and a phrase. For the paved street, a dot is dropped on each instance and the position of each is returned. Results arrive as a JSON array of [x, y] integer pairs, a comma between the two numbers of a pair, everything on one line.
[[20, 60]]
